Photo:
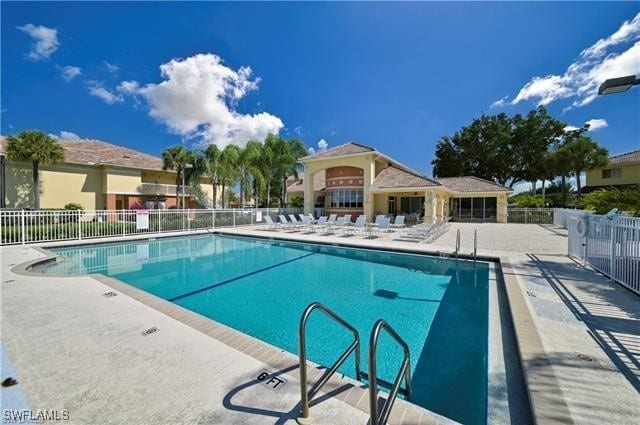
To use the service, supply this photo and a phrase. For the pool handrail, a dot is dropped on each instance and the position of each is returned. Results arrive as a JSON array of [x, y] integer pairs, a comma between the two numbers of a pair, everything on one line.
[[306, 396], [381, 417], [475, 244], [457, 243]]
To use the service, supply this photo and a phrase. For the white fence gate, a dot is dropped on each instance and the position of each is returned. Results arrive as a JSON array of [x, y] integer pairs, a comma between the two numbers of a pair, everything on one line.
[[611, 246]]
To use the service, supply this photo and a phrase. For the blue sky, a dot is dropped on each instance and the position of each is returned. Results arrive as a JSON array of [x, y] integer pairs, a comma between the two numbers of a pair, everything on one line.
[[395, 76]]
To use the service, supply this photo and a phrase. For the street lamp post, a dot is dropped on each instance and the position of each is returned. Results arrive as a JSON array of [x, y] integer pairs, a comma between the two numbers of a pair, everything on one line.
[[618, 85], [184, 167]]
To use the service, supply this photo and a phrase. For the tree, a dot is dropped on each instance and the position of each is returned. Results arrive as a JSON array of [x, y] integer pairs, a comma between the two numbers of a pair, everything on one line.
[[533, 136], [448, 161], [37, 147], [497, 147], [248, 167], [583, 154], [227, 172], [297, 150], [212, 156], [268, 162], [175, 158]]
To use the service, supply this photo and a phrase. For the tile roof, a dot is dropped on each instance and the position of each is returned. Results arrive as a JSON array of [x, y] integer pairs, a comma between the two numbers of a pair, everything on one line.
[[393, 177], [346, 149], [472, 184], [625, 158], [96, 152], [318, 183]]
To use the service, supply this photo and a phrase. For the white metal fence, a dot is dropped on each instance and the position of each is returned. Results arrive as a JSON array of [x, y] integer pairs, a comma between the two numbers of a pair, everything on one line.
[[609, 245], [23, 226], [530, 215]]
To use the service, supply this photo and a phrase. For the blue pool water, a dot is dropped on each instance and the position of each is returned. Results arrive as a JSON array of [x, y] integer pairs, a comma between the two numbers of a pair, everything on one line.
[[261, 287]]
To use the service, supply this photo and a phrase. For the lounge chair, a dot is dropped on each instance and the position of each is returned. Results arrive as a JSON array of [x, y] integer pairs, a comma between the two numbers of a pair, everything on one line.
[[383, 227], [269, 223], [347, 219], [311, 218], [339, 224], [305, 222], [399, 223], [379, 218], [320, 224], [419, 231], [359, 226], [284, 223]]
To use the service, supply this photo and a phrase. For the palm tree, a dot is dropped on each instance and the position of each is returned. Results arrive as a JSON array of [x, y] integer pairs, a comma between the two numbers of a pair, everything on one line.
[[267, 162], [583, 154], [248, 166], [176, 158], [37, 147], [297, 150], [227, 172], [212, 155]]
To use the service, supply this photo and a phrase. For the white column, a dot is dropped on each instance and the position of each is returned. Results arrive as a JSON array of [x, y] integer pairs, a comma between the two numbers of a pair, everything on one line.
[[430, 206], [308, 191]]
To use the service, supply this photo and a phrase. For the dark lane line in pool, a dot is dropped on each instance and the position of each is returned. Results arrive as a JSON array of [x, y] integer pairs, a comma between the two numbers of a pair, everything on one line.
[[242, 276]]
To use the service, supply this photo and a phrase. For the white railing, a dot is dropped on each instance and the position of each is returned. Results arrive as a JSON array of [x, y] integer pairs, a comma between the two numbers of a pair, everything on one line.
[[23, 226], [530, 215], [609, 245]]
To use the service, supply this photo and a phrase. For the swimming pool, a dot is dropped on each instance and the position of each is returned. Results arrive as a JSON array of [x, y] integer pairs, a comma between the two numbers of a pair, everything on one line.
[[260, 287]]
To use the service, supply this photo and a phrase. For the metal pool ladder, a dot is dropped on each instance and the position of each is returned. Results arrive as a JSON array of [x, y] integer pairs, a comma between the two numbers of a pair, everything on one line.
[[404, 372], [382, 416], [307, 395]]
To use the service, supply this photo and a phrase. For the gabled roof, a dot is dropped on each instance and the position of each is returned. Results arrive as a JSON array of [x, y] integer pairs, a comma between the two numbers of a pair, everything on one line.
[[318, 183], [97, 152], [472, 184], [625, 158], [349, 148], [393, 177]]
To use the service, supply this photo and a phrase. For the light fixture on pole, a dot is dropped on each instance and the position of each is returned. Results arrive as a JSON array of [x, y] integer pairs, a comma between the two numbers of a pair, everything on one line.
[[618, 85], [184, 167]]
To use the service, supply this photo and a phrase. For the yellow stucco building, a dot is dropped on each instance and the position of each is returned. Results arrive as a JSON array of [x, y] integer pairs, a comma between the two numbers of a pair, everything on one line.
[[622, 170], [358, 179], [96, 175]]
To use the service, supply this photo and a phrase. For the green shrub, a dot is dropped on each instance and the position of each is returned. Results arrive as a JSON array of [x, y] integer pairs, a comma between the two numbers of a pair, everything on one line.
[[74, 207], [603, 200], [296, 202]]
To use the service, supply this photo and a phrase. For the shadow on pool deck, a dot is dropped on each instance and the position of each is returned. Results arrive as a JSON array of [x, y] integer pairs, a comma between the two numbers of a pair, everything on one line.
[[611, 313], [281, 417]]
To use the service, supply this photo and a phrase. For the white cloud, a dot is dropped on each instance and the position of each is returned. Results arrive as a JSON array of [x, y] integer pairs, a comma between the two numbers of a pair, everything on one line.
[[614, 56], [111, 67], [65, 135], [96, 89], [596, 124], [45, 41], [198, 97], [500, 102], [311, 150], [69, 72], [322, 145], [128, 87]]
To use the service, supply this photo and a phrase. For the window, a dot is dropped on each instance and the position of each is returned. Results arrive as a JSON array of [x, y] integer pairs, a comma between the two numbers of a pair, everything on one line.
[[612, 173], [345, 199]]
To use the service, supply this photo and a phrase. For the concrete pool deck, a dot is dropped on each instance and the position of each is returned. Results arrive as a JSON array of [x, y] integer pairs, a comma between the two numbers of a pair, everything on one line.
[[75, 349]]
